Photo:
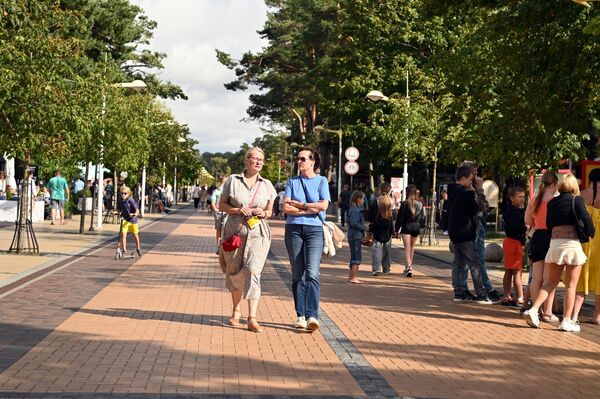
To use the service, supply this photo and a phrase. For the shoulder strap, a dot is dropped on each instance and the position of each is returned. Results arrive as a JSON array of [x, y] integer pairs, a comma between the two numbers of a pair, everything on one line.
[[255, 192], [306, 195]]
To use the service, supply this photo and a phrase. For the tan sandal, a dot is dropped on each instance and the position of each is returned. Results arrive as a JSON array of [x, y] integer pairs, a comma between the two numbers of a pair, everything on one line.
[[235, 321], [253, 325]]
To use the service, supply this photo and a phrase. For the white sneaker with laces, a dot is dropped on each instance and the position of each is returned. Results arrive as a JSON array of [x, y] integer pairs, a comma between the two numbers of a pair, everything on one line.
[[569, 325], [532, 317], [300, 322], [313, 324]]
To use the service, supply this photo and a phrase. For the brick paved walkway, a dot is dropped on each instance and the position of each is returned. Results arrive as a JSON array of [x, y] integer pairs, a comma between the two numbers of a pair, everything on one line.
[[155, 325]]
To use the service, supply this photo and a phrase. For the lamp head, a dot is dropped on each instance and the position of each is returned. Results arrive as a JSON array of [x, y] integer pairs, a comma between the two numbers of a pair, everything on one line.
[[376, 95]]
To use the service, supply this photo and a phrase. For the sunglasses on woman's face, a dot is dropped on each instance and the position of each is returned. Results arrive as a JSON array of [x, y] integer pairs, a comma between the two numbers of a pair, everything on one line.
[[304, 159], [125, 194]]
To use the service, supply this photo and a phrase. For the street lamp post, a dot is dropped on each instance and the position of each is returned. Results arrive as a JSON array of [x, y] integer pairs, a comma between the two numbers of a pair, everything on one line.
[[135, 85], [339, 180], [179, 140], [375, 96]]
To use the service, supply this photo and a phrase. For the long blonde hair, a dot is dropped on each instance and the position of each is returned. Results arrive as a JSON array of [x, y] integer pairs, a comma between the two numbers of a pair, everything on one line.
[[384, 207], [549, 178]]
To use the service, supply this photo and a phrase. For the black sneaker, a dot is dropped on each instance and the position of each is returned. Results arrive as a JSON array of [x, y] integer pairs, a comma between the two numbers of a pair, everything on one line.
[[470, 296], [482, 300], [494, 296], [139, 252], [462, 297]]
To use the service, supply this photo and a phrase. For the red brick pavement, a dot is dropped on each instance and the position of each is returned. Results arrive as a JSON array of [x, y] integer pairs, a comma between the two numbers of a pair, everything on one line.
[[425, 345], [156, 326]]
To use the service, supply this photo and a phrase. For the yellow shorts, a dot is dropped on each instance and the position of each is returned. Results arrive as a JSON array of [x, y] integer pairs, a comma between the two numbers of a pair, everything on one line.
[[129, 227]]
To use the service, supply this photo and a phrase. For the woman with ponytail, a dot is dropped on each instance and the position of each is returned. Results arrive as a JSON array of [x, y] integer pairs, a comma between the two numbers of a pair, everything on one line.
[[535, 218], [589, 280]]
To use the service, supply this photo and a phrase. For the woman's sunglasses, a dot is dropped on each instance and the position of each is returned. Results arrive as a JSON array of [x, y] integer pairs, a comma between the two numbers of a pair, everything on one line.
[[304, 159]]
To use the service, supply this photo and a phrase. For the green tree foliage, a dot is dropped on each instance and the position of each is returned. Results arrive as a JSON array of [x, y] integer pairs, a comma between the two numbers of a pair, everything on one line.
[[289, 69], [46, 85], [524, 74], [122, 30]]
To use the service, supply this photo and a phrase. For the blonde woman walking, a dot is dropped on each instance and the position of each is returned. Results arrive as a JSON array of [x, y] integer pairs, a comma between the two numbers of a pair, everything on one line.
[[565, 251], [247, 198]]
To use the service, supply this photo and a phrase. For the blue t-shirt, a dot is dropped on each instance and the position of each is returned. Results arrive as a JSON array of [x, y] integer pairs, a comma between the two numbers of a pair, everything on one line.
[[317, 189], [128, 209], [57, 186]]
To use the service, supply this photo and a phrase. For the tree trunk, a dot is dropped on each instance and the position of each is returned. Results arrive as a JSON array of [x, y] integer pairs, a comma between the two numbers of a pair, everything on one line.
[[23, 226]]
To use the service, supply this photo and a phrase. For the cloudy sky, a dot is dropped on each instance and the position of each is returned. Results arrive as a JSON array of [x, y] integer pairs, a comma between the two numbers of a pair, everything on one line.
[[189, 31]]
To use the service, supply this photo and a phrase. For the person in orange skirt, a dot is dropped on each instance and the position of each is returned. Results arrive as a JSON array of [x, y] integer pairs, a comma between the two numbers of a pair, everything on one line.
[[515, 229]]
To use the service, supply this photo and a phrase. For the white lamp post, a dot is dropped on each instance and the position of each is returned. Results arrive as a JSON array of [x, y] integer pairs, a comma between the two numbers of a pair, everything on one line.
[[375, 96], [339, 182], [135, 85], [179, 140]]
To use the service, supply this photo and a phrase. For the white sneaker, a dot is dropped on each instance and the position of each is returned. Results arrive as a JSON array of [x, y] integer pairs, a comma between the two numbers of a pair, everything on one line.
[[569, 325], [300, 322], [313, 324], [376, 273], [532, 317]]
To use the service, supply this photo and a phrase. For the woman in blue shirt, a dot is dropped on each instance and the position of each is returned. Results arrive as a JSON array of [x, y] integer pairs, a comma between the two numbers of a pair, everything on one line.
[[306, 199]]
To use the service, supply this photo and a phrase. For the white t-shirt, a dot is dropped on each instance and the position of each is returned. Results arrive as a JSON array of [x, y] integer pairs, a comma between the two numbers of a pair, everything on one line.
[[196, 193], [216, 196]]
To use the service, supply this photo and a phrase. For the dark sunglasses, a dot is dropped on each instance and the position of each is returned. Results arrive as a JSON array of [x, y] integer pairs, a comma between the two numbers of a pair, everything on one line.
[[304, 159], [124, 193]]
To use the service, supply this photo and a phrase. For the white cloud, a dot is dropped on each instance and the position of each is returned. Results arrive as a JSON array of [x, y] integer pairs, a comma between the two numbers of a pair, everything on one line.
[[189, 31]]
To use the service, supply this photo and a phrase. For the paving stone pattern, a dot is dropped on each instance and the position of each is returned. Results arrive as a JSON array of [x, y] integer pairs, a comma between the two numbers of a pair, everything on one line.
[[159, 328], [154, 327], [425, 345]]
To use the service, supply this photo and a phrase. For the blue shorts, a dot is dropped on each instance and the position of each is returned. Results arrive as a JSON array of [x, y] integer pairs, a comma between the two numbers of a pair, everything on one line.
[[355, 251]]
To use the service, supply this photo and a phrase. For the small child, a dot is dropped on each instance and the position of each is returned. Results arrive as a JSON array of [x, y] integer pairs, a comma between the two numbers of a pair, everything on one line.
[[129, 212], [356, 231], [515, 228]]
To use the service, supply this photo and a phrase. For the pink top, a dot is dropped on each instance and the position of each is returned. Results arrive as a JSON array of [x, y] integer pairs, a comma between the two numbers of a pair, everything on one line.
[[539, 217]]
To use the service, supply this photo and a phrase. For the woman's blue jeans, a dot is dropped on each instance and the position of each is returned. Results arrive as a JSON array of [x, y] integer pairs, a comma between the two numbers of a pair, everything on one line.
[[304, 244]]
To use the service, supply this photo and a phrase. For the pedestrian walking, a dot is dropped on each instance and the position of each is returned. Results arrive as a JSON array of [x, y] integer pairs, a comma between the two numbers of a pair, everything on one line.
[[59, 192], [196, 195], [356, 231], [3, 186], [209, 192], [219, 215], [565, 251], [382, 227], [305, 202], [203, 196], [443, 210], [345, 204], [512, 246], [248, 200], [535, 218], [408, 224], [589, 280], [462, 230]]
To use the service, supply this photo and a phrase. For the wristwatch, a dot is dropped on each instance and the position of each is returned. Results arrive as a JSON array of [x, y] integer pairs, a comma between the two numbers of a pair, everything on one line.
[[304, 206]]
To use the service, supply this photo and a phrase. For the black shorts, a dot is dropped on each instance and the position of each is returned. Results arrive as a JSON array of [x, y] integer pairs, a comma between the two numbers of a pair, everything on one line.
[[539, 245], [412, 228]]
